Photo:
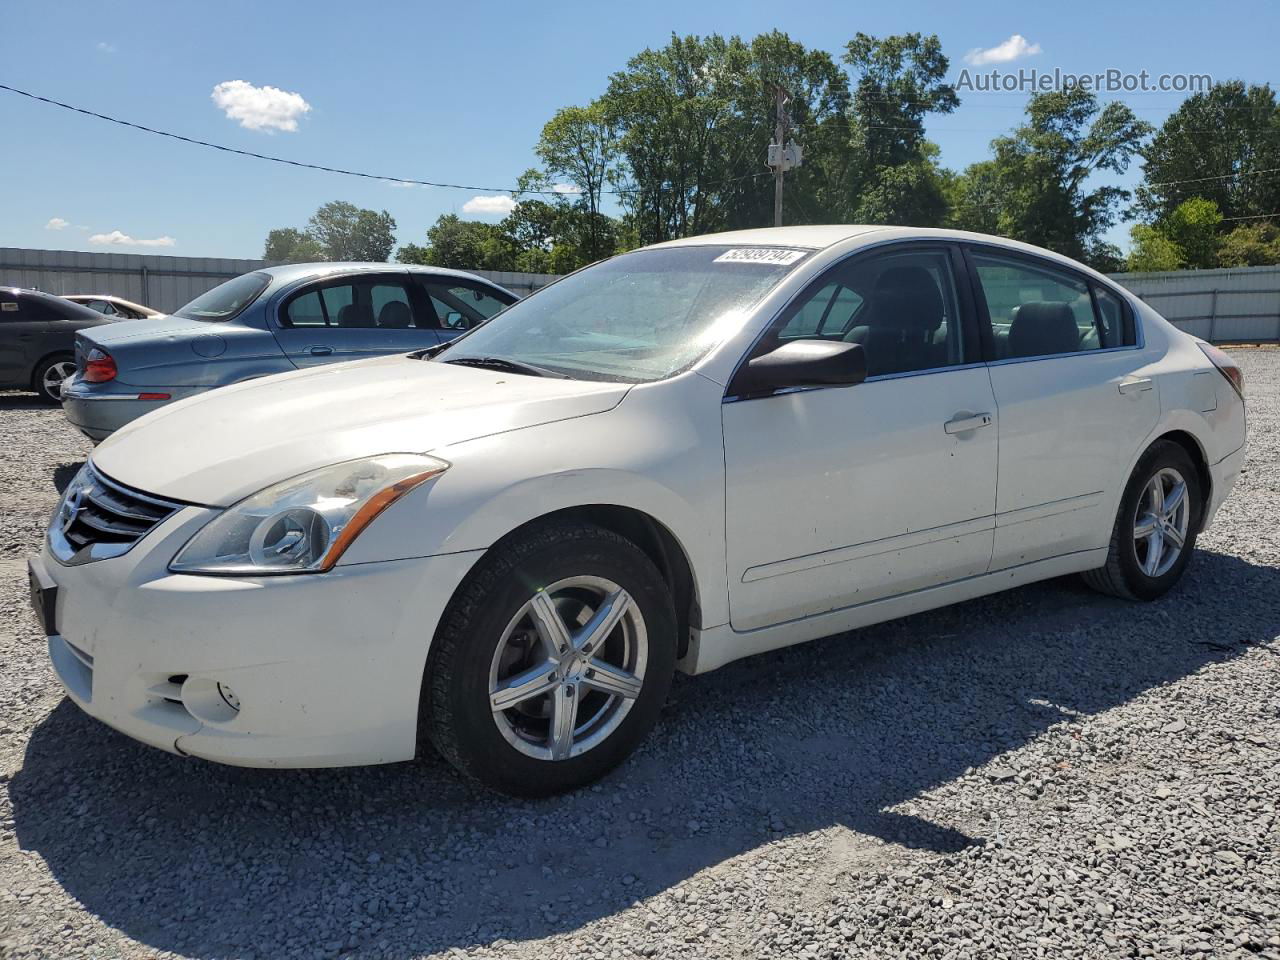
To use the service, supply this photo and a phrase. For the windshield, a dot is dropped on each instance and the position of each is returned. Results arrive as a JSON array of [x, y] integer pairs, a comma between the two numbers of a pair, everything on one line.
[[226, 299], [640, 316]]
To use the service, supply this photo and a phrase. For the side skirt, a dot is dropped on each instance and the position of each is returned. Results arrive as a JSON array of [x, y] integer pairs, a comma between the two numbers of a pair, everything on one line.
[[716, 646]]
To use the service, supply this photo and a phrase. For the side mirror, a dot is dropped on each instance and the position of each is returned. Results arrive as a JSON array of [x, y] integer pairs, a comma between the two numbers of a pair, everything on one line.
[[804, 363]]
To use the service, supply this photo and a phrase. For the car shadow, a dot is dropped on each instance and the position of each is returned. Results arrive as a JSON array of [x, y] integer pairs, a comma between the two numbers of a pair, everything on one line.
[[64, 474], [211, 861], [13, 400]]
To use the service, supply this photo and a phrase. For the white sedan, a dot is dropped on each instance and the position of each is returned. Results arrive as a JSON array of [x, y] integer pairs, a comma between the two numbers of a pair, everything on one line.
[[678, 457]]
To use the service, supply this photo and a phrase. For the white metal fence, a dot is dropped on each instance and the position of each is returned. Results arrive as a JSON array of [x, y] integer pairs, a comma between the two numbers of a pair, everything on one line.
[[164, 283], [1222, 306]]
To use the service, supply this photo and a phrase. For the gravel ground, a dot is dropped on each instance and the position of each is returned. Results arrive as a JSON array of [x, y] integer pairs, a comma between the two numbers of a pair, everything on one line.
[[1042, 773]]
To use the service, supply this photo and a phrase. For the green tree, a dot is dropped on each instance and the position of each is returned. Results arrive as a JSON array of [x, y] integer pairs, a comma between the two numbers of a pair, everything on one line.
[[1213, 146], [288, 245], [347, 232], [1193, 227], [1250, 245], [580, 145], [695, 118], [1152, 250], [1043, 172], [892, 174], [973, 198], [462, 245]]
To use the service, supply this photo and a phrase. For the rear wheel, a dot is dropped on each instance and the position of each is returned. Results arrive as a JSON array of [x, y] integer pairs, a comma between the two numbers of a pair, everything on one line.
[[552, 663], [49, 375], [1155, 530]]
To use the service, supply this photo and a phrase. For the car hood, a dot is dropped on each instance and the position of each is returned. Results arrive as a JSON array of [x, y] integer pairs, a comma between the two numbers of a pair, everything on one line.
[[219, 447]]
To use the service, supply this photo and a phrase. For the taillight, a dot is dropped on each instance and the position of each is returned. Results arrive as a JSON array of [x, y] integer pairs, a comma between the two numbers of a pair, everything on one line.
[[1226, 366], [99, 366]]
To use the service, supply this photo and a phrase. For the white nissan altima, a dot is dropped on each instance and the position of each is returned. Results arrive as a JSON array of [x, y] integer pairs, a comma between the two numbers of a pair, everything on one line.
[[678, 457]]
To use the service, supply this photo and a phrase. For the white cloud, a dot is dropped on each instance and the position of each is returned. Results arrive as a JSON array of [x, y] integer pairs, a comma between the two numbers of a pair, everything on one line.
[[106, 47], [566, 188], [118, 239], [259, 108], [1015, 48], [56, 223], [499, 203], [400, 183]]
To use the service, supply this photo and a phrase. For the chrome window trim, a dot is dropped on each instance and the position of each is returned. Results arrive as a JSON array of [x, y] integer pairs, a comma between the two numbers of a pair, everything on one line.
[[1071, 353], [733, 398]]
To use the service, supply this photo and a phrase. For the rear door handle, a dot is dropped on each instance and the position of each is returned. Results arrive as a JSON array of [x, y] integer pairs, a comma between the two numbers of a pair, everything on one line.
[[320, 351], [963, 424], [1135, 385]]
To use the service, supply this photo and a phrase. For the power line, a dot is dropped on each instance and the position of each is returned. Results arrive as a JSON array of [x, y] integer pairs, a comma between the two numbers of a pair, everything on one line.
[[327, 169], [263, 156], [461, 186]]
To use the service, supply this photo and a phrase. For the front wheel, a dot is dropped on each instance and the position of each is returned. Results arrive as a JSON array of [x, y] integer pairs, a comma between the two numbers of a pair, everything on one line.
[[1155, 530], [552, 663], [49, 376]]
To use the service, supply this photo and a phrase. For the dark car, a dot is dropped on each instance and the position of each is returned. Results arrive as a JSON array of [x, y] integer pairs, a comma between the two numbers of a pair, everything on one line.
[[38, 340]]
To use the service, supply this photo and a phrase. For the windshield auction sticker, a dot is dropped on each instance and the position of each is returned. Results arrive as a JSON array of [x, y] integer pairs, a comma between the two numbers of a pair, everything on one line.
[[774, 255]]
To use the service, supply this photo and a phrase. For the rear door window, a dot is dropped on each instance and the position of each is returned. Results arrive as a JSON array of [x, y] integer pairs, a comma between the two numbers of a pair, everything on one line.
[[1041, 310]]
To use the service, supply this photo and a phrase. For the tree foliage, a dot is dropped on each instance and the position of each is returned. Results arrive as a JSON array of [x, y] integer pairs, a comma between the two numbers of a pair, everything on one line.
[[1214, 146], [675, 145], [336, 231], [1250, 245], [1152, 250], [1040, 181]]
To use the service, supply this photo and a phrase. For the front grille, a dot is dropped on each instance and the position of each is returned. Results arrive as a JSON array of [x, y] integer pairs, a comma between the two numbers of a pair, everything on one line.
[[103, 519]]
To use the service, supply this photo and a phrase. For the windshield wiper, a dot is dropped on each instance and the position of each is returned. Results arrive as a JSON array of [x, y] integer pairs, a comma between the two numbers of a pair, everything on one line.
[[502, 363]]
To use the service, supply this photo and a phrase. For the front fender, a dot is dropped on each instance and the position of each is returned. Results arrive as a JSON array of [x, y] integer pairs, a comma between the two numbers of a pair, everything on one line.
[[659, 452]]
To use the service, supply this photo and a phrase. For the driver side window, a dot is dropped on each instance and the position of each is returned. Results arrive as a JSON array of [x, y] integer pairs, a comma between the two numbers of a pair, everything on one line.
[[902, 308]]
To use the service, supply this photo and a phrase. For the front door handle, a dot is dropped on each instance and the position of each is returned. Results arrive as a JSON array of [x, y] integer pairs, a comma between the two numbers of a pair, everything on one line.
[[320, 351], [1135, 385], [963, 423]]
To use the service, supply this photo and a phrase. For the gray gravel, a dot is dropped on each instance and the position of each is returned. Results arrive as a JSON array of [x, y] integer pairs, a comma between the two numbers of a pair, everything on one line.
[[1042, 773]]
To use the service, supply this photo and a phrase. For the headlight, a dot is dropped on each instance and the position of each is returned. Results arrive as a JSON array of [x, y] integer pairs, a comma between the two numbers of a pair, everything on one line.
[[304, 525]]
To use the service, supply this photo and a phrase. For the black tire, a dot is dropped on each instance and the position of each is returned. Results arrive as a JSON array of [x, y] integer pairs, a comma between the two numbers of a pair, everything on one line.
[[42, 373], [455, 713], [1123, 576]]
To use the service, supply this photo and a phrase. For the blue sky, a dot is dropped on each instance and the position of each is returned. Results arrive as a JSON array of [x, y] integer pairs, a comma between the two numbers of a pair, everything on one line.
[[453, 92]]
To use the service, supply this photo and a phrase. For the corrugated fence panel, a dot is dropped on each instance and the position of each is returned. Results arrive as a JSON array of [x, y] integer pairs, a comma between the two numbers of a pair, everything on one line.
[[162, 282], [1240, 304]]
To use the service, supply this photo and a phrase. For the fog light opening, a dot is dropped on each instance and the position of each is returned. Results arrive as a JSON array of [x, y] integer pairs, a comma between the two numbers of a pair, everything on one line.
[[229, 697], [210, 701]]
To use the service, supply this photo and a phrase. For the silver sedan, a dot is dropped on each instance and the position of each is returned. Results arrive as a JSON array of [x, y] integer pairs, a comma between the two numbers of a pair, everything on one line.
[[265, 322]]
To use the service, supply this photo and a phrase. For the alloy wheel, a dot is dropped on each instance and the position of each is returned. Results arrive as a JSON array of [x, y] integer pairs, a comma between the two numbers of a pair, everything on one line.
[[568, 668], [1160, 526], [54, 374]]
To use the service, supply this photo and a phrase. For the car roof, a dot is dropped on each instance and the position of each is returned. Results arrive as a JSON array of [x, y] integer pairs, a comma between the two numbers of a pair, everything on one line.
[[60, 304], [288, 272], [815, 237], [822, 236], [111, 297]]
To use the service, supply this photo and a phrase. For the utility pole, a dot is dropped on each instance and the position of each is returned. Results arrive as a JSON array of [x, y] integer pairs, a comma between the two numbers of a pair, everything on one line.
[[780, 138], [783, 154]]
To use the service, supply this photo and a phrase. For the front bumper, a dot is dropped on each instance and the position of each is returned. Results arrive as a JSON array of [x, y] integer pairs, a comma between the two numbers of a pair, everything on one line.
[[326, 668]]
